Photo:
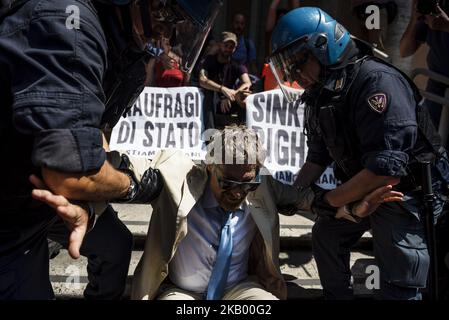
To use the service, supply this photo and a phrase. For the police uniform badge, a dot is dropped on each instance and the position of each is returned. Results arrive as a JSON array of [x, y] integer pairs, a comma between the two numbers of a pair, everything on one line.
[[378, 102], [339, 84]]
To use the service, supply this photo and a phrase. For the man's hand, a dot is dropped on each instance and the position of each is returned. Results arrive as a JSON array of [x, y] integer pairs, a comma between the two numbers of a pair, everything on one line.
[[372, 201], [225, 105], [167, 61], [245, 87], [241, 96], [229, 93], [439, 21], [75, 217]]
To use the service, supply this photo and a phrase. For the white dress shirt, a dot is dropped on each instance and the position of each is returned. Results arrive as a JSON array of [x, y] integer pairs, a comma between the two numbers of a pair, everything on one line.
[[192, 264]]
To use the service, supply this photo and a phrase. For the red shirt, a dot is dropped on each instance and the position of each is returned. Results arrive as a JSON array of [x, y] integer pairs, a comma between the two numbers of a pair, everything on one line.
[[168, 78], [270, 82]]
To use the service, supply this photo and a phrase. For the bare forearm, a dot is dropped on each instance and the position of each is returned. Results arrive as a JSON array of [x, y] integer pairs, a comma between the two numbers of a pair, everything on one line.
[[210, 84], [357, 188], [408, 44], [309, 173], [244, 86], [271, 17], [103, 185]]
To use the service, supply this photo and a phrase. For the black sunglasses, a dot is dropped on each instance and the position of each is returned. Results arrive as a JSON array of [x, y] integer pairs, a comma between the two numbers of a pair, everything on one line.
[[227, 184]]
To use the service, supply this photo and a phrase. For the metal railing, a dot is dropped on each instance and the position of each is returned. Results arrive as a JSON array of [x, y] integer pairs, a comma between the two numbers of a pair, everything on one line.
[[443, 127]]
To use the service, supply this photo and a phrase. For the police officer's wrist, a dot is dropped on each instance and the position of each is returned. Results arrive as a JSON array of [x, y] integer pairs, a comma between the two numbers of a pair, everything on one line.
[[132, 188]]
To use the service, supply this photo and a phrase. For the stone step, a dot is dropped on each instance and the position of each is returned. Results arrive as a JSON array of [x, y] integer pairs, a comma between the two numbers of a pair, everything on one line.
[[69, 277], [295, 231]]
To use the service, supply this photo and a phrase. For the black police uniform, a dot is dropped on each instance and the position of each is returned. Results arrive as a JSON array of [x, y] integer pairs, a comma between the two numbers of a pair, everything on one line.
[[55, 97], [367, 116]]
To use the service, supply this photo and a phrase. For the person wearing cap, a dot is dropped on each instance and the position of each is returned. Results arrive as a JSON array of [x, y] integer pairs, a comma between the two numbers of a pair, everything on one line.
[[363, 115], [69, 69], [218, 75]]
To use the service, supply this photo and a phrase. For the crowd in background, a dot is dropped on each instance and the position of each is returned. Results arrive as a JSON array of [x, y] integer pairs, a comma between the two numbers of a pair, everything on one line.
[[228, 71]]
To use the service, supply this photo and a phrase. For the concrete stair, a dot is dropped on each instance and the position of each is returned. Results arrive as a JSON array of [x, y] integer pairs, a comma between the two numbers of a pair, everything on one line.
[[69, 277]]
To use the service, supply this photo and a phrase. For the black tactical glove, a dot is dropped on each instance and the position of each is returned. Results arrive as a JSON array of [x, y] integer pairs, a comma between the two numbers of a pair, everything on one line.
[[144, 187], [304, 202], [320, 206], [288, 210]]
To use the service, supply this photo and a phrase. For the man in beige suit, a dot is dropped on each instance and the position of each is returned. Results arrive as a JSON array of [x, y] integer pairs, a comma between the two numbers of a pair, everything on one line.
[[180, 250], [184, 246]]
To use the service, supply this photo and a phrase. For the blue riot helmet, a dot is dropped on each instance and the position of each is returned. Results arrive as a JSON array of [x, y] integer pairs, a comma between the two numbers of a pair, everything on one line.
[[302, 32], [186, 23]]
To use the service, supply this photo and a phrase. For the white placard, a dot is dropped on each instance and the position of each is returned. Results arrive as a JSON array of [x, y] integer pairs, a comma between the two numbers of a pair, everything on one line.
[[162, 118], [280, 126]]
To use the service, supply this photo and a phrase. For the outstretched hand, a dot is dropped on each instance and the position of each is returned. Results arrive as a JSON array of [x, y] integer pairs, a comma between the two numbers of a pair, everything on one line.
[[75, 217], [373, 200]]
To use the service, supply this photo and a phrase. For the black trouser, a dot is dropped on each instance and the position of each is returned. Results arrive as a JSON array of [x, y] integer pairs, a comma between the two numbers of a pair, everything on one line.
[[108, 248], [24, 272], [24, 275], [399, 247], [24, 249]]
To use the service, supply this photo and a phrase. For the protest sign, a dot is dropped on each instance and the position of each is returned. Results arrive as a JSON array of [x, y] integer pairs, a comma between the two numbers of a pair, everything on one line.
[[279, 124], [162, 118]]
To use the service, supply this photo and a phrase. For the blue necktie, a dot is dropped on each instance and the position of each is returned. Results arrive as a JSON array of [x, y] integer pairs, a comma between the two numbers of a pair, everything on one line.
[[219, 276]]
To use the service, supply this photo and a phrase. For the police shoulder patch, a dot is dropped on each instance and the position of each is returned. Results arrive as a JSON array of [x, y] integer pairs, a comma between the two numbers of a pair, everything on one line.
[[378, 102]]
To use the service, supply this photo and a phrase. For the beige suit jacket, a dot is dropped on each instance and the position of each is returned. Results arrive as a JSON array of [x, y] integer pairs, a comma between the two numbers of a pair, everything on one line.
[[184, 183]]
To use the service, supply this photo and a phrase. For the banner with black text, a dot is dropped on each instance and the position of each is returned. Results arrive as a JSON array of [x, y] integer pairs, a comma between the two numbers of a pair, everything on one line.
[[280, 126], [162, 118]]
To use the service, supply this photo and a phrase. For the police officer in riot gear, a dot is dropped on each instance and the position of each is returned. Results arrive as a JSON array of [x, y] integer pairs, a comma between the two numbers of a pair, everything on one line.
[[62, 87], [364, 115]]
